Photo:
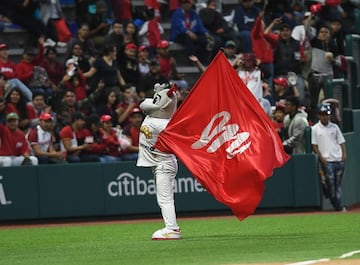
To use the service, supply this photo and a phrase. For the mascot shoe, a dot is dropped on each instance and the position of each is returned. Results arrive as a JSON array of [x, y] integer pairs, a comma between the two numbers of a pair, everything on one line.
[[166, 234]]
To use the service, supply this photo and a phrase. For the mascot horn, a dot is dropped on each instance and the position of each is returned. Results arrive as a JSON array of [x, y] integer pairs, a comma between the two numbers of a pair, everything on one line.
[[164, 102]]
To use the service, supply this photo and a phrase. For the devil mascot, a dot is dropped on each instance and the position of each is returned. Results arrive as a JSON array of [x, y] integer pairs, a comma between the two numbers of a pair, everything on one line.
[[159, 111]]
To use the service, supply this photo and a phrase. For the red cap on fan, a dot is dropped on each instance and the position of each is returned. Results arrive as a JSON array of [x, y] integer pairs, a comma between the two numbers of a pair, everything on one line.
[[163, 44], [45, 116], [105, 118], [315, 8], [281, 81]]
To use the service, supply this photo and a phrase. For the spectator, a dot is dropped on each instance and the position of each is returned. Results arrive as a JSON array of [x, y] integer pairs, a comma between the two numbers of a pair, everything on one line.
[[98, 24], [110, 140], [267, 93], [145, 86], [128, 64], [280, 9], [129, 101], [4, 86], [29, 71], [188, 30], [122, 10], [323, 54], [75, 80], [230, 53], [78, 56], [278, 118], [41, 140], [116, 37], [50, 12], [5, 109], [14, 147], [82, 10], [8, 69], [283, 89], [251, 75], [76, 141], [132, 131], [106, 69], [168, 66], [337, 39], [101, 147], [216, 25], [298, 33], [107, 105], [18, 101], [328, 144], [288, 57], [53, 67], [36, 107], [264, 43], [244, 18], [150, 32], [130, 34], [87, 45], [143, 60], [295, 123], [69, 105]]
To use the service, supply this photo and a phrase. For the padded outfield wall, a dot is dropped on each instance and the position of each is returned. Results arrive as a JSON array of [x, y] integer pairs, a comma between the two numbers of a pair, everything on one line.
[[95, 189]]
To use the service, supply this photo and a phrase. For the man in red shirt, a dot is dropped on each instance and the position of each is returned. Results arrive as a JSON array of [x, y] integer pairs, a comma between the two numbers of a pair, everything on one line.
[[77, 141], [14, 147], [8, 69], [132, 131]]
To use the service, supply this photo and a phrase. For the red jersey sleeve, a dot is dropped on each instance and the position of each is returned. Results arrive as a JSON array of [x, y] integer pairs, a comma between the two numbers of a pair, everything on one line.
[[66, 132], [31, 111], [33, 136], [25, 146]]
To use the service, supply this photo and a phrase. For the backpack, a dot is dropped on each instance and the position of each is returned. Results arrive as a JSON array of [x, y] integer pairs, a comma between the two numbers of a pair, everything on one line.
[[40, 78]]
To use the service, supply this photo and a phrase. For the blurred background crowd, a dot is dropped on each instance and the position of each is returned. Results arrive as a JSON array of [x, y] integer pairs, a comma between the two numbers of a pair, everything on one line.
[[74, 92]]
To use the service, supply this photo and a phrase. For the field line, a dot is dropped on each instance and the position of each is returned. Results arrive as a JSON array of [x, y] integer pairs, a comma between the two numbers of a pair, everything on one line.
[[349, 254], [307, 262]]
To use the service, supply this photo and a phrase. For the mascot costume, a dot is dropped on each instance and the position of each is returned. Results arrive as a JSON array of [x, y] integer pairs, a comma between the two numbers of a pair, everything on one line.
[[159, 111]]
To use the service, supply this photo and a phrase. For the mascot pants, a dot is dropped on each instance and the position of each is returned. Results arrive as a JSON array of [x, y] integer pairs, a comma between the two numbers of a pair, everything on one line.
[[165, 174]]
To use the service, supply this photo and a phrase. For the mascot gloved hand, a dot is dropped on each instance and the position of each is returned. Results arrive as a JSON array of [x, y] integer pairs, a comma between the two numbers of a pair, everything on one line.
[[163, 104], [159, 110]]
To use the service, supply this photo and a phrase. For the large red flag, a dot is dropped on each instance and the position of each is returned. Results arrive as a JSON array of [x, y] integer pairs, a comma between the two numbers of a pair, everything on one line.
[[225, 139]]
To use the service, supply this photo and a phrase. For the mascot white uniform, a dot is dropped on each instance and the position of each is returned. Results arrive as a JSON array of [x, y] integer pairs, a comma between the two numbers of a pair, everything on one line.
[[159, 110]]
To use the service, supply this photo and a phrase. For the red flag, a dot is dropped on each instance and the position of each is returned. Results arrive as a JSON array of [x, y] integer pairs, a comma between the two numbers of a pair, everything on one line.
[[225, 139]]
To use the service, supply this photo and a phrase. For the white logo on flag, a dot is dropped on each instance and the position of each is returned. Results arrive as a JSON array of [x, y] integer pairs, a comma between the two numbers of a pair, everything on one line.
[[221, 134]]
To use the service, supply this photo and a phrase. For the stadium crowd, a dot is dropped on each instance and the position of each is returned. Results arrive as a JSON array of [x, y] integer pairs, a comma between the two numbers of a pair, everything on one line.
[[85, 107]]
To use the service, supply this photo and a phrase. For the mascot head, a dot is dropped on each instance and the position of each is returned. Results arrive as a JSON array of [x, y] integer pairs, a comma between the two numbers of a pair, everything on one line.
[[163, 104]]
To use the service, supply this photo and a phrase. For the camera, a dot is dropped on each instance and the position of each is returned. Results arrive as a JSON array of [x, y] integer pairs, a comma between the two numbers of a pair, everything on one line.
[[72, 72]]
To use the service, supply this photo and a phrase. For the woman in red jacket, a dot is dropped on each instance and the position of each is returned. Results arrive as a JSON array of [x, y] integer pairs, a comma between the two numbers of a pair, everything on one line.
[[263, 44]]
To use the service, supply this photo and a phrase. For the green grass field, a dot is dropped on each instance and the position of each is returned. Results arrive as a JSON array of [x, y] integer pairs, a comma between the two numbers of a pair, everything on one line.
[[205, 241]]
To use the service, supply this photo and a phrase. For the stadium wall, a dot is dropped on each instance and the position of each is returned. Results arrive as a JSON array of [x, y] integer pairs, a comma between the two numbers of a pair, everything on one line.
[[119, 189]]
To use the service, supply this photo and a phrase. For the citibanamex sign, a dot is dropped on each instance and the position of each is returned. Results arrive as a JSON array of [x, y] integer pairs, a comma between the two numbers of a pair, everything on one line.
[[127, 184]]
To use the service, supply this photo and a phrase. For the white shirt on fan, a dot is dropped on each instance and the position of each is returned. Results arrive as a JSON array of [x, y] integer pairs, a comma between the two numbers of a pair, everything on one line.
[[328, 139], [253, 82]]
